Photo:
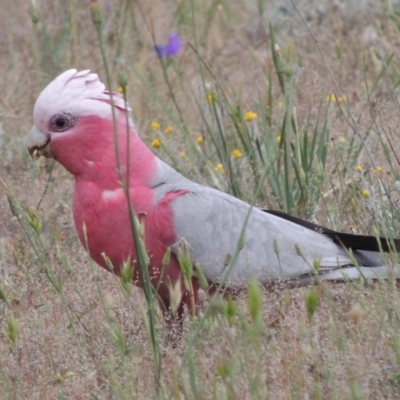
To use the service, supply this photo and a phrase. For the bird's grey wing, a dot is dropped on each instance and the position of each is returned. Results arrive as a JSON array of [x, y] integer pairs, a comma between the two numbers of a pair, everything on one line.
[[211, 221]]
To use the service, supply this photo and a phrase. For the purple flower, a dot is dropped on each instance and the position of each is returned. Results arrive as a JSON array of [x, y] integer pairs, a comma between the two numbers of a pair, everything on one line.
[[174, 46]]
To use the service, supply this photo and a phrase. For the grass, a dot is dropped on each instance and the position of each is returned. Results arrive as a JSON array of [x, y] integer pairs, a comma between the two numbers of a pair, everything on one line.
[[323, 145]]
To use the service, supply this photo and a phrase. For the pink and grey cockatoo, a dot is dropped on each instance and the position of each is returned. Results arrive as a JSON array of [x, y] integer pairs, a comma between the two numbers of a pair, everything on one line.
[[73, 123]]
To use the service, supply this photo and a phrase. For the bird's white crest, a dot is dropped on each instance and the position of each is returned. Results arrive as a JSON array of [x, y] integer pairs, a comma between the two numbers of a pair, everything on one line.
[[80, 93]]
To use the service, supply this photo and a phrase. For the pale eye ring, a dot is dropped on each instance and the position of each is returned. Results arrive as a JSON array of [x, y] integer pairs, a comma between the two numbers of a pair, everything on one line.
[[62, 122]]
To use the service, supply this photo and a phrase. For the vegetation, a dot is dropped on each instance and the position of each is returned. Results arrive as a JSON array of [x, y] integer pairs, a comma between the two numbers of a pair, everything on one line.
[[287, 107]]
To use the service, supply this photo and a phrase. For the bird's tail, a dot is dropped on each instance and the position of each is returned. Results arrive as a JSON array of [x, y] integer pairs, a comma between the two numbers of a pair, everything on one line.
[[347, 240]]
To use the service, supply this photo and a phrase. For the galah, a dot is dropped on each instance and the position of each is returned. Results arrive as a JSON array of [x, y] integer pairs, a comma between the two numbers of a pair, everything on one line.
[[74, 123]]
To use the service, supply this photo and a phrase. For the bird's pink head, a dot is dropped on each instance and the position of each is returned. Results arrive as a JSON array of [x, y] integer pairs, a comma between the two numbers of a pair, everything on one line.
[[73, 122]]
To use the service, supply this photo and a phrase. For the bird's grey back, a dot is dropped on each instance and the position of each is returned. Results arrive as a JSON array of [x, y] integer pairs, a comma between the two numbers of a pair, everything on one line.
[[211, 222]]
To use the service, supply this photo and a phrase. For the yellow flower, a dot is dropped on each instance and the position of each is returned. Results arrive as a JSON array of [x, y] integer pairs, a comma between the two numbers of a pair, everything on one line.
[[359, 168], [332, 98], [155, 125], [378, 170], [220, 168], [120, 90], [250, 115], [182, 154], [200, 139], [237, 153], [156, 143], [211, 97], [168, 130], [278, 139], [365, 193]]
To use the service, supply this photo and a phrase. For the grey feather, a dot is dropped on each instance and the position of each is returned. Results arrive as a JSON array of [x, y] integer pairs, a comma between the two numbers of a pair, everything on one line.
[[210, 222]]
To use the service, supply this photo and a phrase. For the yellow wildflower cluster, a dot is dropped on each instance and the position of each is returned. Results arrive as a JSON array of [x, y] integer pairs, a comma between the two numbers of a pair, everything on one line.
[[378, 170], [278, 139], [250, 115], [155, 126], [156, 143], [359, 168], [237, 153], [200, 139]]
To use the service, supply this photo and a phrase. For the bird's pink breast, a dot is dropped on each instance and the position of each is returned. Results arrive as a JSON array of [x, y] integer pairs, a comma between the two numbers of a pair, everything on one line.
[[104, 226]]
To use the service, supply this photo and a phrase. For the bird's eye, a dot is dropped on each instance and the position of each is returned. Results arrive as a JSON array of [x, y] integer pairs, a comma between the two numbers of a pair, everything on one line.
[[62, 122]]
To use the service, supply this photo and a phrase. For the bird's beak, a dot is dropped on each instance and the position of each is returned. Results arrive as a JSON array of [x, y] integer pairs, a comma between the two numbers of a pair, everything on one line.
[[39, 143]]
